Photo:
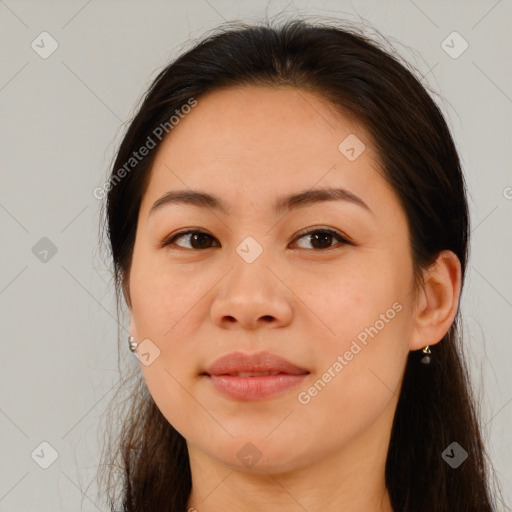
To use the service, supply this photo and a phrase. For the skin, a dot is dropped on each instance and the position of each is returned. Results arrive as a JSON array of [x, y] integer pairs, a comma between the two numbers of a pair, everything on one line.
[[250, 145]]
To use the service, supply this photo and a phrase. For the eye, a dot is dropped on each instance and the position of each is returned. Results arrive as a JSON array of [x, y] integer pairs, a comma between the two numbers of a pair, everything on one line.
[[321, 238], [197, 238]]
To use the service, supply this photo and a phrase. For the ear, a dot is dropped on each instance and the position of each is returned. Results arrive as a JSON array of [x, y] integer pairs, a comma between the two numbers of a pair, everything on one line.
[[438, 301]]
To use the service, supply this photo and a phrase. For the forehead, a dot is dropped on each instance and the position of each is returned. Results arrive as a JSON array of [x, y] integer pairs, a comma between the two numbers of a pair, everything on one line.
[[262, 142]]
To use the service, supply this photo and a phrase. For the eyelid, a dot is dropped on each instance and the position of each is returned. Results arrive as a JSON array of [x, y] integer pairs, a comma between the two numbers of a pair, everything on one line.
[[344, 239], [324, 229], [170, 239]]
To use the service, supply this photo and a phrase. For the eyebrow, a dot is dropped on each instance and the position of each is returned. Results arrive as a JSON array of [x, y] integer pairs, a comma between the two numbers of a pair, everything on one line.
[[281, 205]]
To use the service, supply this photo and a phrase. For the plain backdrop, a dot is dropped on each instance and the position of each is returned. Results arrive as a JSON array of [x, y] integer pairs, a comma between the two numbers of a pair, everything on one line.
[[62, 116]]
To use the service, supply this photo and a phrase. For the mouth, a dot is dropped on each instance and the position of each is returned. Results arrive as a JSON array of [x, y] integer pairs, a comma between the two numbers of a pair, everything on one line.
[[253, 377], [253, 374]]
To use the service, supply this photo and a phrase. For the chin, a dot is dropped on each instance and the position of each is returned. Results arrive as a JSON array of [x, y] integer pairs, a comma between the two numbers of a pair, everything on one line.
[[260, 456]]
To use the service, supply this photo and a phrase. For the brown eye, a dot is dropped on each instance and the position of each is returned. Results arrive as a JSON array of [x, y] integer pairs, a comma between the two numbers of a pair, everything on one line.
[[319, 239], [322, 238], [197, 239]]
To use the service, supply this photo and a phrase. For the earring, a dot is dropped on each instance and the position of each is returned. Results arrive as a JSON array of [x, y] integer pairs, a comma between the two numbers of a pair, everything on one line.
[[426, 358], [132, 343]]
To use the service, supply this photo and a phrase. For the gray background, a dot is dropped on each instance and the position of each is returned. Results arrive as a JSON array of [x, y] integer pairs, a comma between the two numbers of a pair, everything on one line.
[[62, 118]]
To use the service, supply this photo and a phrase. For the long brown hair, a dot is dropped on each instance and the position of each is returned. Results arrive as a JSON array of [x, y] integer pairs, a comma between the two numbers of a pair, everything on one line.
[[145, 463]]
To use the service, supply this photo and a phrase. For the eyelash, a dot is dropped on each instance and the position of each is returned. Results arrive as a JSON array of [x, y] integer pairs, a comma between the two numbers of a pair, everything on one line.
[[340, 236]]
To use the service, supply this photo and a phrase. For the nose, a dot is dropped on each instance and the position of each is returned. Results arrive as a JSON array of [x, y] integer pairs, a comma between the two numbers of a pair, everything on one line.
[[252, 296]]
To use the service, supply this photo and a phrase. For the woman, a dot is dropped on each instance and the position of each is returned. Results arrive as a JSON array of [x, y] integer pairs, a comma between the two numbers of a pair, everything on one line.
[[289, 228]]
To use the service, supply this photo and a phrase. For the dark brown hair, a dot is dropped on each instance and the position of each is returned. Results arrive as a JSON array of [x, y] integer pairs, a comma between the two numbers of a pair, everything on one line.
[[418, 159]]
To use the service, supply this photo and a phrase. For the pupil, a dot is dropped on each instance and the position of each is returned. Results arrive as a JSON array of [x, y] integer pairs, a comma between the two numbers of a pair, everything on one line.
[[324, 236], [197, 236]]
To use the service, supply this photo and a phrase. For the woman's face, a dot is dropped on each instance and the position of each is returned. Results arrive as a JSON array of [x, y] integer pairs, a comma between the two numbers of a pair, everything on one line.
[[256, 282]]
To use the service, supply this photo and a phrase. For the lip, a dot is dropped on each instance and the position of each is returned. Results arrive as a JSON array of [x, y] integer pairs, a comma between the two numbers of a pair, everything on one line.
[[253, 388]]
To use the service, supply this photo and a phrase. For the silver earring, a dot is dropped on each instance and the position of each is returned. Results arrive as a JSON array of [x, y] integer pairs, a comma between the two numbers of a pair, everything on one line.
[[132, 343], [426, 358]]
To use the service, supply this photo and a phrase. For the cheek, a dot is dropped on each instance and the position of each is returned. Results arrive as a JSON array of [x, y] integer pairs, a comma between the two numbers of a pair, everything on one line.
[[161, 294], [361, 360], [356, 381], [352, 299], [163, 309]]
